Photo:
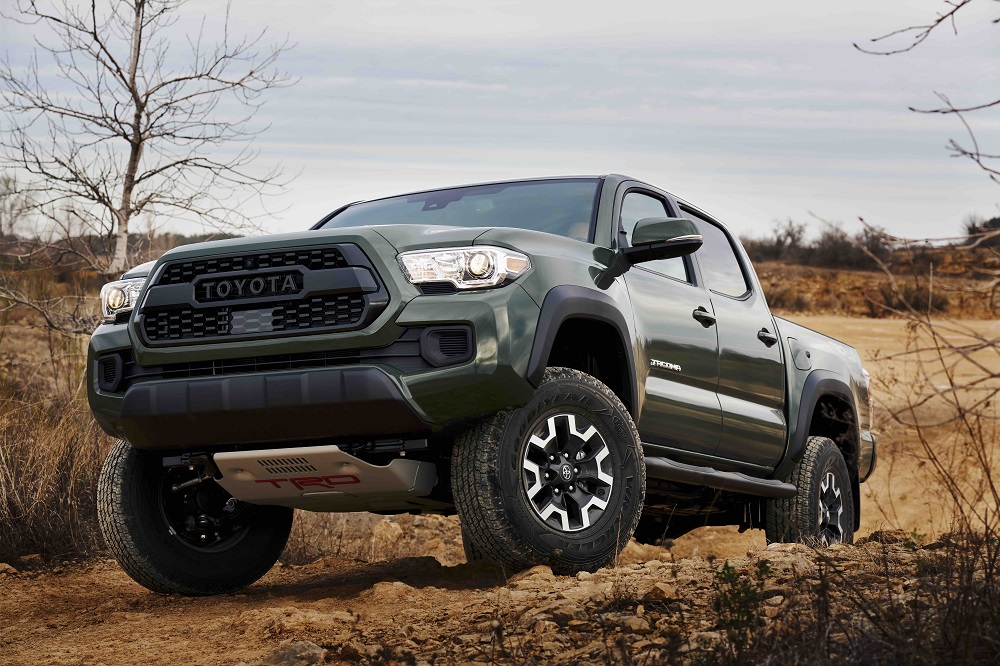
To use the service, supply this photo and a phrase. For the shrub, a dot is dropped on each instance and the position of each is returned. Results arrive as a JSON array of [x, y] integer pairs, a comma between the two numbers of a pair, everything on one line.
[[907, 297], [834, 248], [51, 454]]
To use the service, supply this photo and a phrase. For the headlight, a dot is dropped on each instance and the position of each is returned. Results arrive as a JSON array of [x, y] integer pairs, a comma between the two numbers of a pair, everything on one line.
[[464, 267], [118, 297]]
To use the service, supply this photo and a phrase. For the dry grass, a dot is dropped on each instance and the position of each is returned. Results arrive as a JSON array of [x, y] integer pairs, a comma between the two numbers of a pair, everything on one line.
[[51, 454]]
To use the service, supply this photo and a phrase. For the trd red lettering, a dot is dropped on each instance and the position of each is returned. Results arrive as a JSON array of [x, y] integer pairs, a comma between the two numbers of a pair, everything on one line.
[[324, 481], [302, 482], [345, 479], [305, 481]]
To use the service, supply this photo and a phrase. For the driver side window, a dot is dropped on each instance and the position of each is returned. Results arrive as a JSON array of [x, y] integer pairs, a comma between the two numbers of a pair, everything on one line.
[[636, 206]]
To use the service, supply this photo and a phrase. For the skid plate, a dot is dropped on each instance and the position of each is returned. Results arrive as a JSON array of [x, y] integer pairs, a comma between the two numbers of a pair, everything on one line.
[[324, 478]]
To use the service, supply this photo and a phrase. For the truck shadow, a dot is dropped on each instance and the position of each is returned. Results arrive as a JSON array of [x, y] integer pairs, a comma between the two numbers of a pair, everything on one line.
[[332, 577]]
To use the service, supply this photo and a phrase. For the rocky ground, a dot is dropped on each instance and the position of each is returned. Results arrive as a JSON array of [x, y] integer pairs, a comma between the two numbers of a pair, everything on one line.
[[415, 610]]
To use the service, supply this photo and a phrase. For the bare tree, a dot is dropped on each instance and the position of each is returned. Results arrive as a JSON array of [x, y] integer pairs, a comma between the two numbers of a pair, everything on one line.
[[118, 124]]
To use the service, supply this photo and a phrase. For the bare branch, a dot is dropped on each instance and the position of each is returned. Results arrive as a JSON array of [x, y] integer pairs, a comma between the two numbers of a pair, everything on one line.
[[917, 33]]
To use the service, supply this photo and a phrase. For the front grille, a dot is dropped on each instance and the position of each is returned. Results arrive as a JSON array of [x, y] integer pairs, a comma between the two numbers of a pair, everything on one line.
[[317, 312], [312, 258], [333, 288]]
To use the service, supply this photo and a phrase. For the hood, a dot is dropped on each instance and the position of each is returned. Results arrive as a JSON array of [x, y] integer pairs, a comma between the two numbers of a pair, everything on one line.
[[402, 237], [142, 270], [405, 237]]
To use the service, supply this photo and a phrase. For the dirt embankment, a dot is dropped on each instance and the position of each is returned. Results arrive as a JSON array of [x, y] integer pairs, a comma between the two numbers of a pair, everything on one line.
[[415, 610]]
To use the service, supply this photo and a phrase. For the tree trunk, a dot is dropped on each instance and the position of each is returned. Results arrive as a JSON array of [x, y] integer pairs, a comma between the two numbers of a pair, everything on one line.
[[124, 212], [120, 255]]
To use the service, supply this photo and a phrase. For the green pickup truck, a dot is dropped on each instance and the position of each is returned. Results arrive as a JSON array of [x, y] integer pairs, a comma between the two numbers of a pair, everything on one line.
[[563, 362]]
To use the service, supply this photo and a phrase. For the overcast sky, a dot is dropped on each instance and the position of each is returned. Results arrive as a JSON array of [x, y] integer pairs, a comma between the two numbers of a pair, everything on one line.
[[755, 111]]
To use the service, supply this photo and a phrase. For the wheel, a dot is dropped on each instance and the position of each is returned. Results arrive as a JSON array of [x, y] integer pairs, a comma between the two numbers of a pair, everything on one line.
[[195, 540], [559, 481], [822, 512]]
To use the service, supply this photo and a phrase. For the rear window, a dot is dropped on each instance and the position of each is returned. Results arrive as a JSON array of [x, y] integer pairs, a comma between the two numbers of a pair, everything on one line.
[[560, 207]]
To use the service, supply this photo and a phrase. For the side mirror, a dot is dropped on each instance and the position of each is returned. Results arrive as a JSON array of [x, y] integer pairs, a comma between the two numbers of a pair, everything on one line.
[[662, 238]]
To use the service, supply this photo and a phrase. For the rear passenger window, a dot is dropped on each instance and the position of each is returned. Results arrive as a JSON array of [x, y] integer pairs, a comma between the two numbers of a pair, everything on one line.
[[637, 206], [717, 259]]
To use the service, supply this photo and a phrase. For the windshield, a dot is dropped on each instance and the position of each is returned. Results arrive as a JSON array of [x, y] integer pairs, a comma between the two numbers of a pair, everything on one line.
[[561, 207]]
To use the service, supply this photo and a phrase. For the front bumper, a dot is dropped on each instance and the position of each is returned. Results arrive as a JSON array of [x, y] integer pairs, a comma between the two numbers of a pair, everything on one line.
[[253, 409], [362, 401]]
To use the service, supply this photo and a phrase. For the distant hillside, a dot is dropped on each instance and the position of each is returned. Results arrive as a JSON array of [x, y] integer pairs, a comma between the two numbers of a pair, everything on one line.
[[793, 288]]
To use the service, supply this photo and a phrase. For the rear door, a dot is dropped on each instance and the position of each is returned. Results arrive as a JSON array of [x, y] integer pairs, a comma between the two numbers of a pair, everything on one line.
[[679, 367], [751, 385]]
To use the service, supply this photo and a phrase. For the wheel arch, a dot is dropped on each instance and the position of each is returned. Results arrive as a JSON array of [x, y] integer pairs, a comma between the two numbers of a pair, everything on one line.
[[569, 309]]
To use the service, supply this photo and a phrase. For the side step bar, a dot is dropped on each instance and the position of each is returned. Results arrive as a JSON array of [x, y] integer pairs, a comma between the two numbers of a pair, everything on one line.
[[669, 470]]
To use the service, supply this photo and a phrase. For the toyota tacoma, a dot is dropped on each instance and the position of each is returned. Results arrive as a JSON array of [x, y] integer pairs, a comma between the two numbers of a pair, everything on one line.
[[565, 363]]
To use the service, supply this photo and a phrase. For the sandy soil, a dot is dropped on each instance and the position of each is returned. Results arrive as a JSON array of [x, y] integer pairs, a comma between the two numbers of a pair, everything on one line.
[[416, 608]]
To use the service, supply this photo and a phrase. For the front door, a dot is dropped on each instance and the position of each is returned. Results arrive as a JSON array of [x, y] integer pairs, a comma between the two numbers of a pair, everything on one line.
[[679, 365]]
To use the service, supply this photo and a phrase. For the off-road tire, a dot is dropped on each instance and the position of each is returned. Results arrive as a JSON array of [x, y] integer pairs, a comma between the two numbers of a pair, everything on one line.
[[138, 535], [798, 518], [499, 524]]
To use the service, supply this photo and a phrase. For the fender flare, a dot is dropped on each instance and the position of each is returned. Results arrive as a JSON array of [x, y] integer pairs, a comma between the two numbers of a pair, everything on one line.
[[819, 384], [575, 302]]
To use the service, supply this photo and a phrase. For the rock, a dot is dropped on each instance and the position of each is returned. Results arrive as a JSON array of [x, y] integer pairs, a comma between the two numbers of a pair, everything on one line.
[[352, 651], [544, 627], [705, 638], [635, 625], [290, 620], [660, 592], [584, 575], [296, 653], [386, 591], [560, 611], [776, 600], [385, 540], [532, 577], [7, 570], [888, 537], [32, 561]]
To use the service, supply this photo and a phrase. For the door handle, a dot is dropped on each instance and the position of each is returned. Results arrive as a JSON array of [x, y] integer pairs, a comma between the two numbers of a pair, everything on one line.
[[704, 316], [767, 337]]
